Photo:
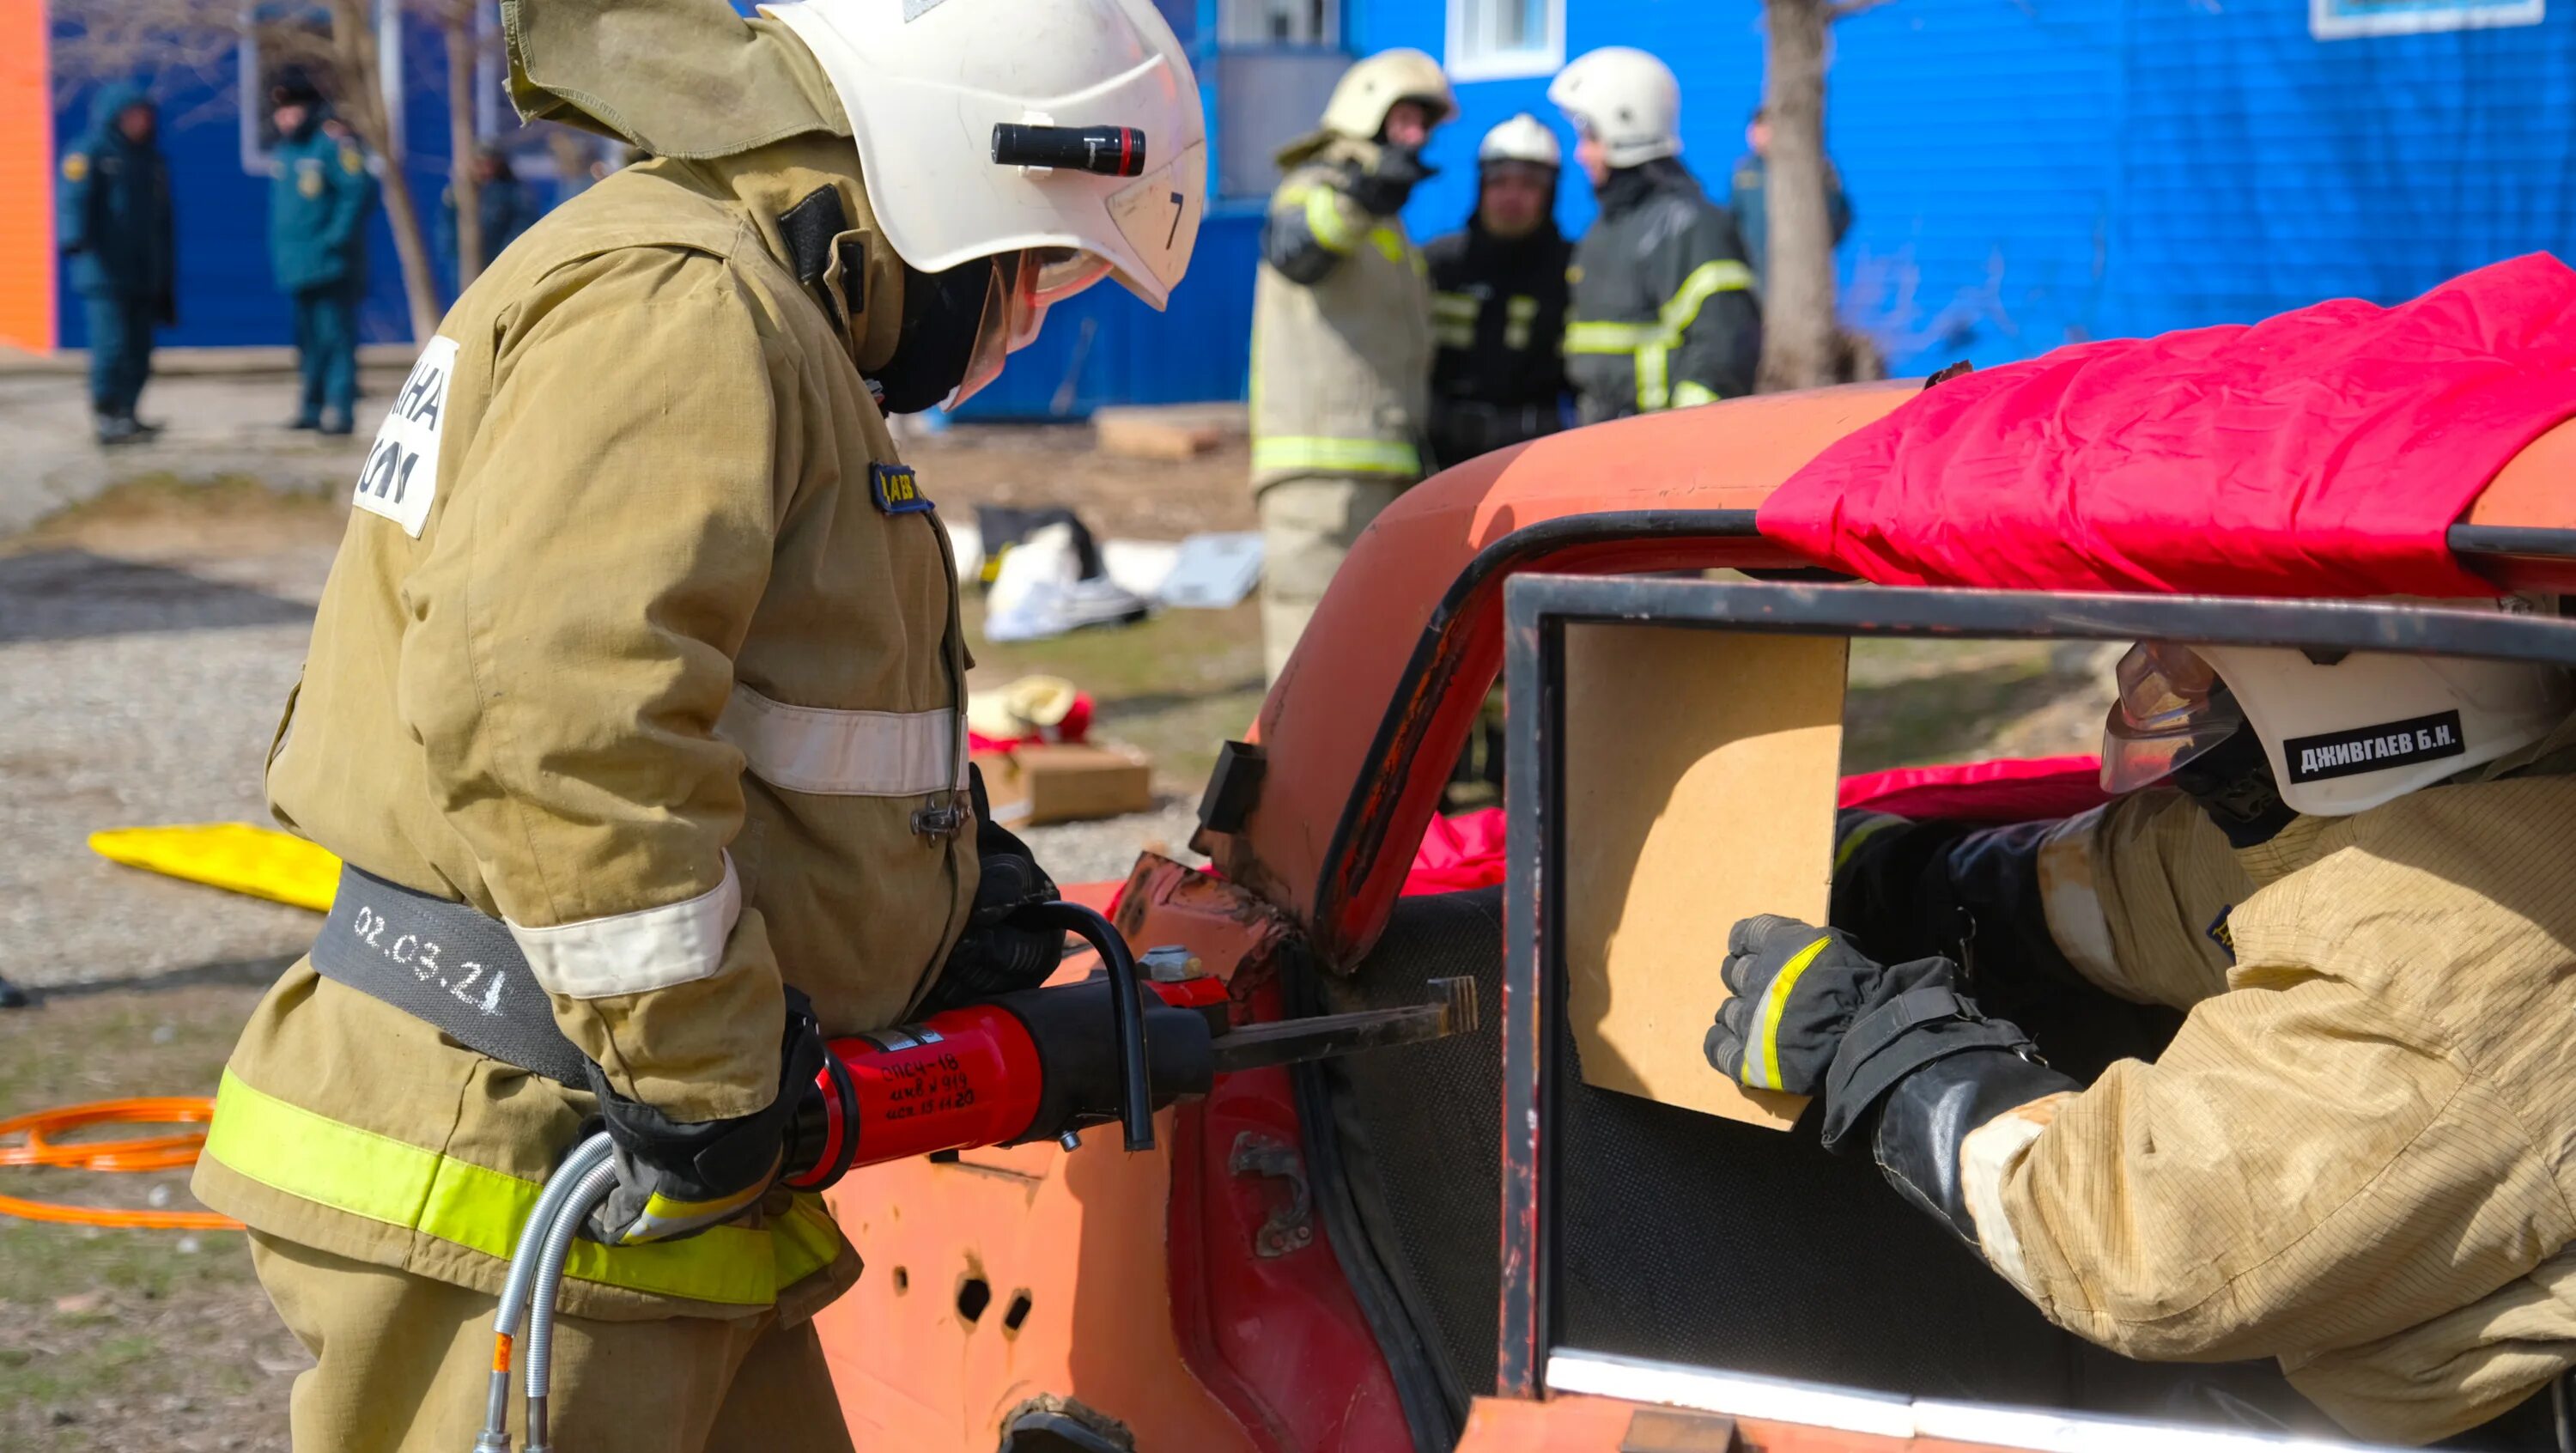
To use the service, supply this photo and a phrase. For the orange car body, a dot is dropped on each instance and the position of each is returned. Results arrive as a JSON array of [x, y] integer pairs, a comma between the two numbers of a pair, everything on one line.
[[1170, 1301]]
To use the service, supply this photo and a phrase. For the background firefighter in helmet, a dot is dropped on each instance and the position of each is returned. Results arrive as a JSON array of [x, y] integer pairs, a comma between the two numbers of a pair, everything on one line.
[[1341, 334], [113, 223], [640, 670], [1498, 296], [2353, 1154], [320, 196], [1665, 313]]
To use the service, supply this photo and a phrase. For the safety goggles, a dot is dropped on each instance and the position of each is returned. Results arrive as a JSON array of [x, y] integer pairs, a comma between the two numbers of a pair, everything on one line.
[[1025, 284], [2172, 708]]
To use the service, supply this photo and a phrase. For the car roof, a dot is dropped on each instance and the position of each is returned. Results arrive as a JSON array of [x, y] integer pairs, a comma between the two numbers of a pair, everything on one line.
[[1402, 646]]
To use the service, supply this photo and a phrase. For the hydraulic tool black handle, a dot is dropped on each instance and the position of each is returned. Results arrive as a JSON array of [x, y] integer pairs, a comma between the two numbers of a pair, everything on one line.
[[1126, 1008]]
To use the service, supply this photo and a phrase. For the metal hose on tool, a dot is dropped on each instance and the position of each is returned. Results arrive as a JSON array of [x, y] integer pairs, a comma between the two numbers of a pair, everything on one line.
[[588, 1190], [526, 1262]]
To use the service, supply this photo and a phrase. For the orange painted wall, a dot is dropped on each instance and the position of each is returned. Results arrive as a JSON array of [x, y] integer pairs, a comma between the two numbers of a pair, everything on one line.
[[26, 179]]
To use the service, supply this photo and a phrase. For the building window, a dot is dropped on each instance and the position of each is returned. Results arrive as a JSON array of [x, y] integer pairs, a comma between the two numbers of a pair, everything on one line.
[[2345, 19], [1493, 39], [1276, 61], [1278, 22]]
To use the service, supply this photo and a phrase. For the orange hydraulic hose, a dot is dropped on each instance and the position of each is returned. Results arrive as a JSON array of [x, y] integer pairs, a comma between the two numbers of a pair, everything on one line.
[[140, 1153]]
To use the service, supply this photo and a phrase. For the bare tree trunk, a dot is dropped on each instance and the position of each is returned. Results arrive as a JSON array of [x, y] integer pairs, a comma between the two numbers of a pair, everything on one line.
[[362, 105], [463, 188], [1798, 324]]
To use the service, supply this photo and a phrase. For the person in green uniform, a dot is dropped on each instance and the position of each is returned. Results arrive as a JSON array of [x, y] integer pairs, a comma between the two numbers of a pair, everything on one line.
[[319, 199], [113, 223]]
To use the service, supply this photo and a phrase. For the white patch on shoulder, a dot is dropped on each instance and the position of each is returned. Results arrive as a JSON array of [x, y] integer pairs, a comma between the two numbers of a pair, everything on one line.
[[401, 475]]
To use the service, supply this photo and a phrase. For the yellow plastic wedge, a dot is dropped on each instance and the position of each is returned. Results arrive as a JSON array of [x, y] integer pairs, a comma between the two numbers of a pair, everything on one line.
[[235, 855]]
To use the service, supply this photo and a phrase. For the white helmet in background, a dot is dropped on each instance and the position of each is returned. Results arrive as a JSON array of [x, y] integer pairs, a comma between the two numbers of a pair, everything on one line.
[[1625, 99], [1069, 131], [1371, 87], [2343, 733], [1524, 139]]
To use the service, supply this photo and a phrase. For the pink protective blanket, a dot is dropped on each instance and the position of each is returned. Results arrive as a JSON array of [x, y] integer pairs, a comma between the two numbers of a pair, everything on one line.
[[2320, 453]]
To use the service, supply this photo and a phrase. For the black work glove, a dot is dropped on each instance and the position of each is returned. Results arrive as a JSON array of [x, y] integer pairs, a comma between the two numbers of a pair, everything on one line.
[[1794, 990], [166, 311], [1382, 188], [677, 1179], [995, 955]]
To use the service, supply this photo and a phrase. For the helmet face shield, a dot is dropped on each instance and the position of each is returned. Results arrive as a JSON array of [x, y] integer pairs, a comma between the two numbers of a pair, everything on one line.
[[2171, 709], [1024, 285]]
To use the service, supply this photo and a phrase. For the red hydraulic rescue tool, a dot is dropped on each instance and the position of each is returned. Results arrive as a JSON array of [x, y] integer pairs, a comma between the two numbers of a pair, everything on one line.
[[1040, 1064], [1036, 1066]]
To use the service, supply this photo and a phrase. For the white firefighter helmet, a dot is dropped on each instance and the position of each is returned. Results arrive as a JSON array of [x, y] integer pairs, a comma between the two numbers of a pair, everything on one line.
[[1524, 138], [1372, 86], [1625, 99], [1069, 132], [2343, 732]]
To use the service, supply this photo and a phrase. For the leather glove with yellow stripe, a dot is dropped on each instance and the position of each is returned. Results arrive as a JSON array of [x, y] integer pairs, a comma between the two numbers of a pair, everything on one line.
[[1810, 1014], [1795, 991], [677, 1178]]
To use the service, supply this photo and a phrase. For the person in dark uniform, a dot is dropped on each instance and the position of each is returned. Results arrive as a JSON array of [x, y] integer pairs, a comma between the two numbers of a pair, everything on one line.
[[114, 224], [1665, 314], [320, 197], [1498, 299], [1750, 201], [503, 204]]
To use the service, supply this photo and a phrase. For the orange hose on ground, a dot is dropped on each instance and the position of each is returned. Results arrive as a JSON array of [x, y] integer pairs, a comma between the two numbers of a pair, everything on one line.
[[140, 1153]]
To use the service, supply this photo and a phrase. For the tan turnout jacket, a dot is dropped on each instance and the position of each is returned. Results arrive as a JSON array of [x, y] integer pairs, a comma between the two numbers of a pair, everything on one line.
[[1341, 367], [2358, 1156], [628, 647]]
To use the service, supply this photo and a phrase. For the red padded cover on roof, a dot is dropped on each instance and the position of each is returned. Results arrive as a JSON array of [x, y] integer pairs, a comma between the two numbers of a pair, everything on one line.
[[2322, 452]]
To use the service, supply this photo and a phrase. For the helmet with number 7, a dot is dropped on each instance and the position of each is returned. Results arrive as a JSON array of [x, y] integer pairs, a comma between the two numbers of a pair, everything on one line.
[[1067, 132], [2343, 732]]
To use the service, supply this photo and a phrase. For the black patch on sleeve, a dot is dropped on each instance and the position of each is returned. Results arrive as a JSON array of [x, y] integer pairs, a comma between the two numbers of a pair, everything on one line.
[[2221, 935], [808, 229], [2373, 748]]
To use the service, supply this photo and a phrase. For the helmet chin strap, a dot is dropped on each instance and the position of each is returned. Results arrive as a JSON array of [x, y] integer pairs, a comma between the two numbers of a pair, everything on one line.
[[2233, 783], [943, 314]]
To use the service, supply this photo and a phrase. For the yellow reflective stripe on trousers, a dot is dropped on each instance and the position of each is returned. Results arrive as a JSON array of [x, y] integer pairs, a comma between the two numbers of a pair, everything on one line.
[[316, 1158], [1324, 219], [1775, 999], [1690, 393], [1338, 456]]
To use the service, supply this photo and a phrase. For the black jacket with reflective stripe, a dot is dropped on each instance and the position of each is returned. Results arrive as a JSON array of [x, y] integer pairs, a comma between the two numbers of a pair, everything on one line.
[[1664, 308], [1498, 310]]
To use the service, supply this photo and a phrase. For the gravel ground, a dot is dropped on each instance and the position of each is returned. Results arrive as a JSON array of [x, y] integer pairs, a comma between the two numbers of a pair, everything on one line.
[[136, 693], [143, 659]]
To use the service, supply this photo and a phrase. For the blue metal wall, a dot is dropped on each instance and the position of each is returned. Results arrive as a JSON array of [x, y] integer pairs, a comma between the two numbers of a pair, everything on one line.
[[2033, 172], [2025, 172]]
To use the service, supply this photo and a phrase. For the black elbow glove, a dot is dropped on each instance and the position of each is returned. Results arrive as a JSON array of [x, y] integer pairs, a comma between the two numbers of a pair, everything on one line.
[[997, 955], [1897, 1053], [676, 1178]]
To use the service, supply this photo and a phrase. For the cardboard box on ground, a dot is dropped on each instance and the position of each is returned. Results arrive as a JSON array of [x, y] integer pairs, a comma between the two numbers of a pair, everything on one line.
[[1066, 782], [1700, 770]]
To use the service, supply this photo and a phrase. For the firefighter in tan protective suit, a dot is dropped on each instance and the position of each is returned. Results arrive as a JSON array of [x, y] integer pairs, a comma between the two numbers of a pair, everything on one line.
[[1341, 334], [2356, 1155], [634, 703]]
